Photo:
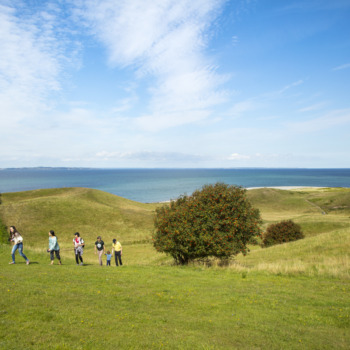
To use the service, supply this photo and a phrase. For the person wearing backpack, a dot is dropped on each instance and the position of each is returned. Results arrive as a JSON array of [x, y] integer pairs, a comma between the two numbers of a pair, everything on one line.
[[17, 239], [79, 245]]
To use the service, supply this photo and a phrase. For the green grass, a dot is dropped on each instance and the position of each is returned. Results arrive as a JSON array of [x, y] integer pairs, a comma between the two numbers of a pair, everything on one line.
[[151, 307], [291, 296]]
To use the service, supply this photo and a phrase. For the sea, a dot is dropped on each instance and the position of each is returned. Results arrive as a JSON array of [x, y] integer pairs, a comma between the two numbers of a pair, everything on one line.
[[159, 185]]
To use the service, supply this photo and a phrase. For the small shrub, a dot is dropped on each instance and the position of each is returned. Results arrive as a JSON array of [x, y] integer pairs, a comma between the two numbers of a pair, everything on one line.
[[284, 231]]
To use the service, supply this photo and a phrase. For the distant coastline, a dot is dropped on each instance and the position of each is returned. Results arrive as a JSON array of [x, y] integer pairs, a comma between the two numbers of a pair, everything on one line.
[[166, 168]]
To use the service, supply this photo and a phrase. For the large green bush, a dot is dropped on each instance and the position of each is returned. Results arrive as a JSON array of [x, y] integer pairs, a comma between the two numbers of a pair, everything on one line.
[[284, 231], [217, 221]]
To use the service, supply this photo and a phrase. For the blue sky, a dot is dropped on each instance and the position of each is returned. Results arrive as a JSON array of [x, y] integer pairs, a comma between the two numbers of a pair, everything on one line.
[[186, 83]]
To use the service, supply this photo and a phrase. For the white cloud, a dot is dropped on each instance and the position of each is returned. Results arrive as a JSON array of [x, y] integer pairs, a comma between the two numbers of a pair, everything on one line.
[[164, 40], [237, 156], [32, 61]]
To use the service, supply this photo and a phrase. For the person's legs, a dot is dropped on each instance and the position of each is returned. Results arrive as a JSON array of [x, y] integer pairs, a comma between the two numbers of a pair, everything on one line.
[[20, 249], [120, 258], [108, 263], [52, 256], [116, 258], [14, 248], [100, 252], [57, 252], [77, 257]]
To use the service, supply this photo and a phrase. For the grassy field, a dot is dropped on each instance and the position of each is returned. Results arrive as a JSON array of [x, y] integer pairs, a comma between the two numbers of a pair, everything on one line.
[[292, 296]]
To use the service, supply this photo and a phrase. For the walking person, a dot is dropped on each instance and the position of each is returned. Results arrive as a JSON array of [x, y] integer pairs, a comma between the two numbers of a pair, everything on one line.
[[118, 251], [79, 245], [54, 248], [17, 239], [109, 257], [100, 248]]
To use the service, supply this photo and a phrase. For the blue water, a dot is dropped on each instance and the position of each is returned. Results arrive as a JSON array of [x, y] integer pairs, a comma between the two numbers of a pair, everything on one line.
[[155, 185]]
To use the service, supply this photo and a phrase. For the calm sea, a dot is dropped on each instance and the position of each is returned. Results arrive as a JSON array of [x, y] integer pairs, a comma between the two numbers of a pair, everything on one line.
[[156, 185]]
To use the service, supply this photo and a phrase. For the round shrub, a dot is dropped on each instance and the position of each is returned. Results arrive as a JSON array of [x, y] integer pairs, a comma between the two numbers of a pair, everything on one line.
[[217, 221], [284, 231]]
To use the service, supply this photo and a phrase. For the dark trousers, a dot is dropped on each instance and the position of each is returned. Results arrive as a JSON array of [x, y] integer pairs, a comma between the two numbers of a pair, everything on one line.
[[53, 252], [118, 256], [108, 263], [77, 257]]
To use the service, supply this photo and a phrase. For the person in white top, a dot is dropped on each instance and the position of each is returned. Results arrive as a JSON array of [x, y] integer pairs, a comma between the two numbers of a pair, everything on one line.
[[79, 245], [17, 239]]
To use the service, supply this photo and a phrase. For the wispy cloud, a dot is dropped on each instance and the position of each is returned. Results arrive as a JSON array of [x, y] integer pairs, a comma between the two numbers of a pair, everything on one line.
[[150, 156], [341, 67], [165, 41], [326, 121], [242, 107], [289, 86], [313, 107], [32, 60]]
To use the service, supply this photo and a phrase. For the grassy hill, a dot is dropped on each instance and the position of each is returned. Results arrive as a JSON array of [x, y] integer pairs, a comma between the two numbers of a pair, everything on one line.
[[90, 212], [291, 296], [322, 213]]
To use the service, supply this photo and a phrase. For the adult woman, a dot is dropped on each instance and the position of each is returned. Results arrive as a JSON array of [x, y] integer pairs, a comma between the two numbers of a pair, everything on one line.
[[54, 248], [100, 247], [118, 251], [17, 239], [78, 248]]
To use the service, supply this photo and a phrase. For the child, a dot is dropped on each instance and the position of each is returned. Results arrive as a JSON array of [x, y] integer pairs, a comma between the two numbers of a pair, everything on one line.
[[109, 257]]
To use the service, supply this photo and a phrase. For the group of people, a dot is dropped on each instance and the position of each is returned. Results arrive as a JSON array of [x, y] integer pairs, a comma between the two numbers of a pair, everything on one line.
[[79, 244]]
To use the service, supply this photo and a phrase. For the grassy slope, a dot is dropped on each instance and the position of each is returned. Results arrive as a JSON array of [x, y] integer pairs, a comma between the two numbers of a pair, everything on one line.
[[90, 212], [324, 215], [303, 287]]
